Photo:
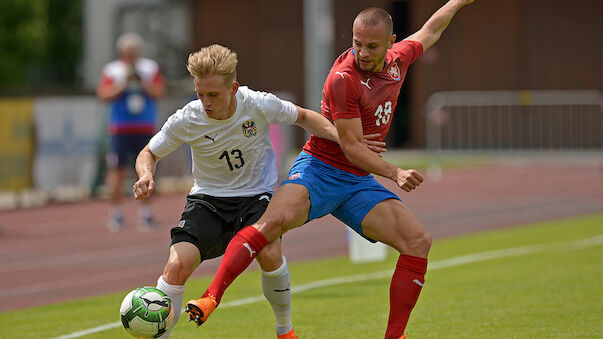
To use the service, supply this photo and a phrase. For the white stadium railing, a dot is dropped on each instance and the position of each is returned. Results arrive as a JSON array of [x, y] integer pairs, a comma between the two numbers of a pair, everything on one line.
[[515, 121]]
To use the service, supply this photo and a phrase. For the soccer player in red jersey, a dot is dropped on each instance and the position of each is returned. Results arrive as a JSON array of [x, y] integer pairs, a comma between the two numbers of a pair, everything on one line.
[[359, 97]]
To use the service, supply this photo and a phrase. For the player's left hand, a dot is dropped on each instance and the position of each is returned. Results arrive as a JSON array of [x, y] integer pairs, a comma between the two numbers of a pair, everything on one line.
[[408, 180], [374, 145]]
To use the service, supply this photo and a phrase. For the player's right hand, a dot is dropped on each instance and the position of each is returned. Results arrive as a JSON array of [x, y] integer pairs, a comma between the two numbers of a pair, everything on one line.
[[143, 187]]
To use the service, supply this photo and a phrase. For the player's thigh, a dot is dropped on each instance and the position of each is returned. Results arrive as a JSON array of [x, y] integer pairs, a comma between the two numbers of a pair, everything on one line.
[[393, 223], [184, 259], [288, 208]]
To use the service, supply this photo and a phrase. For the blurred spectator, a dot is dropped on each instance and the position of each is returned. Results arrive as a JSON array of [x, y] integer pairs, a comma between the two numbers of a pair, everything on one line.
[[131, 85]]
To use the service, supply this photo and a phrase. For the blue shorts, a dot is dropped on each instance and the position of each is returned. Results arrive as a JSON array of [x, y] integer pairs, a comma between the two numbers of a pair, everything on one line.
[[125, 149], [346, 196]]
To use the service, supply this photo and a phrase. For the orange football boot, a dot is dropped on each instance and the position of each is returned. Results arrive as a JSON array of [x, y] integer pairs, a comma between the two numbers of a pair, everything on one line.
[[289, 335], [199, 309]]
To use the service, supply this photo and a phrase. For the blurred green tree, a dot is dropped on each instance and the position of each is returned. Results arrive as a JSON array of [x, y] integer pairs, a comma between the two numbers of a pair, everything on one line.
[[40, 44]]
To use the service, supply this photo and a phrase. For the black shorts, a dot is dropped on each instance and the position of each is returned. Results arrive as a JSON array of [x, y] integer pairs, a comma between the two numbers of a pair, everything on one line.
[[211, 222]]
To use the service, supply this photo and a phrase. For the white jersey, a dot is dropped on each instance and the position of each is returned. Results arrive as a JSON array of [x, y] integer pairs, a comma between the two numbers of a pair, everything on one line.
[[232, 157]]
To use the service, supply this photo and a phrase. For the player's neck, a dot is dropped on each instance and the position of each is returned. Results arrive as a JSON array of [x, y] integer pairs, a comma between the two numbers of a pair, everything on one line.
[[229, 112]]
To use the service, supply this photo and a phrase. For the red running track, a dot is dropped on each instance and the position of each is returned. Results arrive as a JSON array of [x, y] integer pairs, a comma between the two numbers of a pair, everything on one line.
[[63, 251]]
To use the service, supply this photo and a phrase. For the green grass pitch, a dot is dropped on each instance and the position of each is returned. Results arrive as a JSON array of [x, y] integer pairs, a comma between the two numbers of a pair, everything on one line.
[[550, 291]]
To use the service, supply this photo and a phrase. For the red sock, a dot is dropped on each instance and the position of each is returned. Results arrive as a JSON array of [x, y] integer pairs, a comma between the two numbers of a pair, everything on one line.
[[404, 290], [240, 252]]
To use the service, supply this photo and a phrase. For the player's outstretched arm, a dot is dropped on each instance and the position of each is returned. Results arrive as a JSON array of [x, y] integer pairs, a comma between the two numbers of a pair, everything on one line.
[[350, 136], [146, 162], [316, 124], [320, 126], [437, 23]]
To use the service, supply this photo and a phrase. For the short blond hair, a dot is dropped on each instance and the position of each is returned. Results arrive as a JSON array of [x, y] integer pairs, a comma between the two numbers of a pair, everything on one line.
[[213, 60]]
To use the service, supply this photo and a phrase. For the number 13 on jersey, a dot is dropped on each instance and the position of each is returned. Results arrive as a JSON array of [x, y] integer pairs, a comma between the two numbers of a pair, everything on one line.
[[383, 113], [237, 155]]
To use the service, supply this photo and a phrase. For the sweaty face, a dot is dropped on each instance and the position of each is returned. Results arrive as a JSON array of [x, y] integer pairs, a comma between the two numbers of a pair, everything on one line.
[[370, 44], [217, 97]]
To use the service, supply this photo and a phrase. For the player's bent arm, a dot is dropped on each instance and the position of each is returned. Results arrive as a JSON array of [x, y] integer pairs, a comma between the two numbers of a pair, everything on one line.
[[350, 140], [437, 23], [316, 124], [146, 163], [350, 136]]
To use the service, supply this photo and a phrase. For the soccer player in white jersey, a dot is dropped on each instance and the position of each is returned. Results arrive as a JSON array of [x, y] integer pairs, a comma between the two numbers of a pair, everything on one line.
[[234, 171]]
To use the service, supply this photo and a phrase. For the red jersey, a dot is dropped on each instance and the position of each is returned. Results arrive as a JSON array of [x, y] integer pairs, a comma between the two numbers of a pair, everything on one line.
[[371, 96]]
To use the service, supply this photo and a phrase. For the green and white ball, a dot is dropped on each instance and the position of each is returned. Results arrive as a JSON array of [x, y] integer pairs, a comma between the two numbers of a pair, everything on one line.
[[146, 312]]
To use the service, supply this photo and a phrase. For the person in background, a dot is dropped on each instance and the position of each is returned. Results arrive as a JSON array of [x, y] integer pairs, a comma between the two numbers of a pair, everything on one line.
[[131, 85]]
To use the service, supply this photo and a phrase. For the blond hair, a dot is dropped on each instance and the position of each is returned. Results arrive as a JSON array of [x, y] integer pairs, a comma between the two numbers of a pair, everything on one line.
[[213, 60]]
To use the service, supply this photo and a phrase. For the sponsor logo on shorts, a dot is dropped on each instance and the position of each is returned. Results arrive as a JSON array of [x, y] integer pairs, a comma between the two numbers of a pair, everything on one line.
[[265, 197], [249, 129], [294, 176]]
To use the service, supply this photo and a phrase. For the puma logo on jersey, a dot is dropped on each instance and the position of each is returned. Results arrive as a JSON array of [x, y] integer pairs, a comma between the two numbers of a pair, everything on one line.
[[210, 138], [418, 282], [341, 74], [366, 83], [251, 252], [265, 197]]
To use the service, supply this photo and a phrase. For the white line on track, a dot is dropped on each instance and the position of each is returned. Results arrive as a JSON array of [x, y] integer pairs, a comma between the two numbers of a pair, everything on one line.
[[456, 261]]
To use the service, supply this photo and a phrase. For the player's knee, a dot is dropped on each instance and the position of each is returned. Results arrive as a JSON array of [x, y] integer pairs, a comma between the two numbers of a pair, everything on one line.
[[420, 244], [177, 271], [275, 225]]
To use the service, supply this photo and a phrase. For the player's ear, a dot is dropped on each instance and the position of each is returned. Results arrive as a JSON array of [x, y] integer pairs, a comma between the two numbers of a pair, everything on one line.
[[391, 41], [235, 87]]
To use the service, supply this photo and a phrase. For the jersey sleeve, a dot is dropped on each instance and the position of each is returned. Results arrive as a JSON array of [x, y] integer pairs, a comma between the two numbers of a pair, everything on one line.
[[408, 51], [172, 134], [277, 111], [343, 96]]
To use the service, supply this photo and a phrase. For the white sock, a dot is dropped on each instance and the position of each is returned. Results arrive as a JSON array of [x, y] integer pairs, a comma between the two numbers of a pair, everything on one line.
[[175, 293], [277, 290]]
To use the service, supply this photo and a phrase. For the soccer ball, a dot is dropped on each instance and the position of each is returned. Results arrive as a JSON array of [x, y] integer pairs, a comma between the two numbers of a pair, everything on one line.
[[146, 312]]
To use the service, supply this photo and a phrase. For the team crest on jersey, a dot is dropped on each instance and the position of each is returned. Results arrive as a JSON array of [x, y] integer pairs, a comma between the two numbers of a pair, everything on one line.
[[394, 72], [249, 129]]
